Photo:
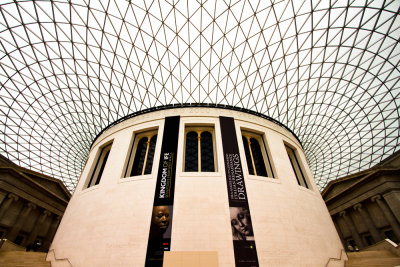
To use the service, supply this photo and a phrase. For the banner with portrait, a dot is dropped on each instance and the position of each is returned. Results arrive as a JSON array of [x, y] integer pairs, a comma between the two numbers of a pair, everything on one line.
[[240, 218], [161, 218]]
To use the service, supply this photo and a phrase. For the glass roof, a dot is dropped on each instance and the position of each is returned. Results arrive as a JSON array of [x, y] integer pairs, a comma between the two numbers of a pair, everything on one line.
[[328, 70]]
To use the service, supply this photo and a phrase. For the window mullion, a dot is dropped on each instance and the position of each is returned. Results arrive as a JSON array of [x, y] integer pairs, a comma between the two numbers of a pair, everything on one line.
[[199, 150], [145, 156], [251, 155], [214, 152]]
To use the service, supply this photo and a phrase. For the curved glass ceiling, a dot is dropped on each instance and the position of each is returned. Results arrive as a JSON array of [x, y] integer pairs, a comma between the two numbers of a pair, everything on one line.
[[329, 70]]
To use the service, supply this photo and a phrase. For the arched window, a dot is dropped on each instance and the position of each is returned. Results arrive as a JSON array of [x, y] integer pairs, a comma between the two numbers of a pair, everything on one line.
[[100, 164], [140, 155], [150, 155], [257, 158], [143, 148], [297, 169], [199, 144], [191, 152], [207, 152]]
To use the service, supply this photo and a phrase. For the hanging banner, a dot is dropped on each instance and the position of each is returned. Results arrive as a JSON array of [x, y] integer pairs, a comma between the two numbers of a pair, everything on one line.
[[242, 229], [161, 218]]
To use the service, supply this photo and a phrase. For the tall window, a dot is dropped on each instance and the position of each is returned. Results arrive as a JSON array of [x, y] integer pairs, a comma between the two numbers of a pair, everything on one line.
[[199, 149], [257, 157], [142, 154], [100, 164], [301, 179]]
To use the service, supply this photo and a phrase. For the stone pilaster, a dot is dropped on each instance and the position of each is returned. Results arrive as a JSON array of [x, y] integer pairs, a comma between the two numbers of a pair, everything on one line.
[[338, 230], [369, 223], [36, 228], [3, 196], [393, 200], [354, 233], [388, 215], [20, 221], [52, 231], [6, 204]]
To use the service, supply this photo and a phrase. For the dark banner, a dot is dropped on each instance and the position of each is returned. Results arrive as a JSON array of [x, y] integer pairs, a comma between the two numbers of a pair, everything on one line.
[[161, 218], [242, 229]]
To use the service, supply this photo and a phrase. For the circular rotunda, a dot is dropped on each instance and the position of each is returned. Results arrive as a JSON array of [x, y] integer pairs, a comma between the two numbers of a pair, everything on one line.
[[207, 184]]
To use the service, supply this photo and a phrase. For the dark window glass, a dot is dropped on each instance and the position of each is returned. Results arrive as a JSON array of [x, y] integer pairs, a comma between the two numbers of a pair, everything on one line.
[[294, 169], [369, 240], [139, 157], [103, 164], [258, 157], [99, 168], [248, 156], [207, 152], [390, 234], [150, 155], [256, 162], [191, 152], [143, 149], [18, 240], [301, 180]]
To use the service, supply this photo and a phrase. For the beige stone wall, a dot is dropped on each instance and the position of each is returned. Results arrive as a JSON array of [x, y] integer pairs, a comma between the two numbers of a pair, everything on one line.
[[108, 224]]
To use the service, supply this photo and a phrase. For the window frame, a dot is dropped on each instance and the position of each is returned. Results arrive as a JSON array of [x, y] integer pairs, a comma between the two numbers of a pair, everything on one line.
[[260, 137], [99, 167], [297, 166], [199, 128], [137, 136]]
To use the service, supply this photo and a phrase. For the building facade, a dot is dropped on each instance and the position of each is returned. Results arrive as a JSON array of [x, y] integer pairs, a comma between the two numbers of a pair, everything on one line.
[[214, 186], [365, 206], [31, 206]]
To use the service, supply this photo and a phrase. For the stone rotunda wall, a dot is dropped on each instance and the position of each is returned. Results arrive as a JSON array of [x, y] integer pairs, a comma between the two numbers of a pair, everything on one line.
[[111, 218]]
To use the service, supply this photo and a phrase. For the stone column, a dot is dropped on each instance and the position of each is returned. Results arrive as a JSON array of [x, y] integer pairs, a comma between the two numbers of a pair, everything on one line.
[[388, 215], [354, 233], [51, 233], [6, 204], [20, 221], [393, 200], [368, 221], [36, 228], [3, 195], [339, 231]]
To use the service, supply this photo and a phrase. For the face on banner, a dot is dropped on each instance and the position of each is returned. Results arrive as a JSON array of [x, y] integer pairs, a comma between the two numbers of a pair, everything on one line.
[[160, 222], [242, 228]]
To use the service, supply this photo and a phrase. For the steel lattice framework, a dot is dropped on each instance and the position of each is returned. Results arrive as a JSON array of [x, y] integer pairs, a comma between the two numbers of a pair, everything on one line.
[[328, 70]]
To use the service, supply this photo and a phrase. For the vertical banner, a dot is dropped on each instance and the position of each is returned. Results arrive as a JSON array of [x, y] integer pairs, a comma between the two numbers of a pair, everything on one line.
[[242, 230], [161, 218]]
